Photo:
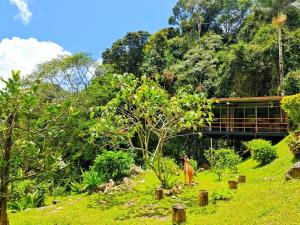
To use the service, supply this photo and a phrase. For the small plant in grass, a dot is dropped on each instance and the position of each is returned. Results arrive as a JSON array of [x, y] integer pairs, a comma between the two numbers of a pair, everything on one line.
[[113, 164], [262, 151], [222, 159], [92, 179], [222, 194]]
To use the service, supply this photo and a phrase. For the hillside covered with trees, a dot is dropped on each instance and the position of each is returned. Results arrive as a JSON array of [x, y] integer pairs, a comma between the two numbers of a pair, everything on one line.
[[74, 123]]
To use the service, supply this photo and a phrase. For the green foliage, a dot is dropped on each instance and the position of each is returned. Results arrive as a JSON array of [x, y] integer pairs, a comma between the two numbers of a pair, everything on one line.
[[126, 54], [292, 82], [194, 165], [222, 159], [137, 110], [294, 143], [222, 194], [262, 151], [170, 171], [291, 105], [27, 194], [113, 164], [91, 179]]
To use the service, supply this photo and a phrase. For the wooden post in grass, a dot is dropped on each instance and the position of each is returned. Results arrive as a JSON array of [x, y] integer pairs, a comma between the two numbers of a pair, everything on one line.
[[203, 198], [242, 179], [232, 184], [179, 214], [159, 193]]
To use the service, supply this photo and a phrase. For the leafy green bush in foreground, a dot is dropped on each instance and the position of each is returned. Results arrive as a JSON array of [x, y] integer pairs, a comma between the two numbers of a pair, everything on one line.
[[262, 151], [113, 164]]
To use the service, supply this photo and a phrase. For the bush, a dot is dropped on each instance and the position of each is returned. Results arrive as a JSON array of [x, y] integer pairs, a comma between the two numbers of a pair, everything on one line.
[[262, 151], [113, 165], [92, 179], [169, 171], [294, 143], [292, 82], [27, 194], [222, 194], [291, 105], [222, 159]]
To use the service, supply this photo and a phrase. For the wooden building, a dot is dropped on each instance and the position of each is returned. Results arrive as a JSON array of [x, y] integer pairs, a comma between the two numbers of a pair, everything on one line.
[[248, 116]]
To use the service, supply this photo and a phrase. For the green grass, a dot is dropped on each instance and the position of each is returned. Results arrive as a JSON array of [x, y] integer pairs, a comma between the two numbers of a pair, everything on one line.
[[266, 199]]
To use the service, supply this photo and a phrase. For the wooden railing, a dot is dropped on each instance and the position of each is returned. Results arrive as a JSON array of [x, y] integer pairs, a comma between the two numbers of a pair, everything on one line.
[[278, 125]]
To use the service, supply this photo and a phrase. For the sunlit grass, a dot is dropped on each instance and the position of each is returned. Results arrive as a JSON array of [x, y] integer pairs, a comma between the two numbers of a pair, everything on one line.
[[266, 198]]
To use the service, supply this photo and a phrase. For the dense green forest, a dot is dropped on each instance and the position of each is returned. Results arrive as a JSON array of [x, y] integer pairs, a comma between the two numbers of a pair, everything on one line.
[[150, 95]]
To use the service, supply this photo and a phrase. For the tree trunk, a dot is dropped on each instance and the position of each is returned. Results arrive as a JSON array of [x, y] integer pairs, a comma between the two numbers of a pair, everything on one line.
[[159, 193], [280, 58], [179, 214], [233, 184], [5, 170], [242, 179], [203, 198]]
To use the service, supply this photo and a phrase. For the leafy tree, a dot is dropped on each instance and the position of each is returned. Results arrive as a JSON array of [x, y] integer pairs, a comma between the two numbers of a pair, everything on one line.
[[126, 54], [157, 54], [231, 17], [142, 108], [200, 64], [194, 15], [292, 82], [247, 68], [72, 73], [222, 159], [276, 8], [20, 129]]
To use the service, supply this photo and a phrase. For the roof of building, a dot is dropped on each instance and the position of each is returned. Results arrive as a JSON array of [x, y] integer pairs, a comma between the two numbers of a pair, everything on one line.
[[251, 99]]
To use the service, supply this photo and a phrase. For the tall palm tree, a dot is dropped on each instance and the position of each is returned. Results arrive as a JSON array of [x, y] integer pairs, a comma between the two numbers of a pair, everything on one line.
[[276, 8]]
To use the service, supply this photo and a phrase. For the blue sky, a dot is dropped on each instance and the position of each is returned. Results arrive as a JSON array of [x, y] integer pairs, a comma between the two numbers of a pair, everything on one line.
[[33, 31], [84, 25]]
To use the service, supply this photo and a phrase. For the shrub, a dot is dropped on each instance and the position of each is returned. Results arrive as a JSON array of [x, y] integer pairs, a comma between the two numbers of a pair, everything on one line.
[[27, 194], [169, 171], [77, 188], [222, 159], [292, 82], [291, 105], [113, 165], [294, 143], [223, 194], [262, 151], [92, 179]]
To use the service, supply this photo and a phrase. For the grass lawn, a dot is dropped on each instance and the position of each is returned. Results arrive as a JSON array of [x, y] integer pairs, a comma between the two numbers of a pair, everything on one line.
[[266, 198]]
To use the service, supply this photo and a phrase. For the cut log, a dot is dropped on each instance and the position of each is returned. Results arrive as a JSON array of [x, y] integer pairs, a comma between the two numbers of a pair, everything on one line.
[[179, 214], [203, 198], [232, 184], [159, 193], [242, 179]]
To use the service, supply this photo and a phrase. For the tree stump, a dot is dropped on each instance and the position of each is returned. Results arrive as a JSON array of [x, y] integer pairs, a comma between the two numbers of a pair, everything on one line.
[[179, 214], [203, 198], [232, 184], [159, 193], [242, 179]]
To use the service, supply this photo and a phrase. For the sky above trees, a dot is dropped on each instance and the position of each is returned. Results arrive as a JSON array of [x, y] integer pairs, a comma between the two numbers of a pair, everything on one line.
[[37, 30]]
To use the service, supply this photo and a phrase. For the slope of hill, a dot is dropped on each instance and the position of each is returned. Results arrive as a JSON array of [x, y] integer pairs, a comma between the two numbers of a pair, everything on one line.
[[266, 198]]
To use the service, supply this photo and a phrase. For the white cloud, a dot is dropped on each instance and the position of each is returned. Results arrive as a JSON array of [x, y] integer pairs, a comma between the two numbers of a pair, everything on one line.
[[25, 54], [24, 14]]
